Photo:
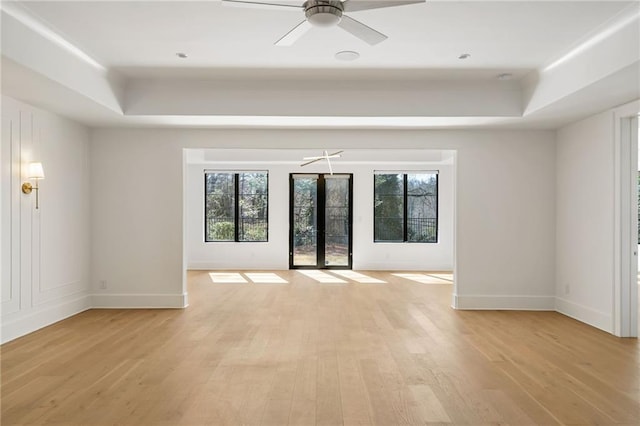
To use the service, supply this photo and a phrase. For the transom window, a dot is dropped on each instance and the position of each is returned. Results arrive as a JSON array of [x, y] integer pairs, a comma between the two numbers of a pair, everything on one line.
[[236, 206], [406, 207]]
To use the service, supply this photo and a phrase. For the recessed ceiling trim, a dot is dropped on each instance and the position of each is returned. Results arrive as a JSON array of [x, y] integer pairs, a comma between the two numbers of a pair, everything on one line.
[[35, 25], [318, 122], [616, 24]]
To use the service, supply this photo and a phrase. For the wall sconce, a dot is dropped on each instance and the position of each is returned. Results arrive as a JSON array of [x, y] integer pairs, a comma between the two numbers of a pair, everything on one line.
[[36, 173]]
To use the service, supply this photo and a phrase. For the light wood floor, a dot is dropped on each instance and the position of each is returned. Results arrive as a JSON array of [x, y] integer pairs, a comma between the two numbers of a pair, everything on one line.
[[311, 353]]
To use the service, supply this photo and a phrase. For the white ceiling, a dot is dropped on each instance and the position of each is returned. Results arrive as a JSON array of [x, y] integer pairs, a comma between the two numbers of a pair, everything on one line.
[[505, 36], [135, 43]]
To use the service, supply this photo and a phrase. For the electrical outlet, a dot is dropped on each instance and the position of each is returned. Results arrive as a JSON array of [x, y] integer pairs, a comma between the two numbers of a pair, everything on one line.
[[103, 285], [567, 289]]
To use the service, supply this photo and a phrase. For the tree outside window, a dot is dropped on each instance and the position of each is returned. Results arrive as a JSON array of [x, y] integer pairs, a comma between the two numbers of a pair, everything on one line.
[[236, 206], [406, 207]]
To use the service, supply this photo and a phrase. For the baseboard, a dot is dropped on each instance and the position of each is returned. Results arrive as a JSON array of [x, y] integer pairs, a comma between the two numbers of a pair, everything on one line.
[[140, 301], [36, 318], [209, 266], [395, 266], [518, 303], [582, 313]]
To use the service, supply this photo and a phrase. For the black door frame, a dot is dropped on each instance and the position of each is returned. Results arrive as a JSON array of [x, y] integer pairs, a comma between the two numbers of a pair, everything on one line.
[[320, 242]]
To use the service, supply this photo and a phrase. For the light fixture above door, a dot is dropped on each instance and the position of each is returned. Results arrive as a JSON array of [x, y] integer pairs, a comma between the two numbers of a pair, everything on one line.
[[324, 156]]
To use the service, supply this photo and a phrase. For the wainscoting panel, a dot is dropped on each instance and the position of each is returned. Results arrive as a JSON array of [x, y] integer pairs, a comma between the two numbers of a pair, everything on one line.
[[45, 251]]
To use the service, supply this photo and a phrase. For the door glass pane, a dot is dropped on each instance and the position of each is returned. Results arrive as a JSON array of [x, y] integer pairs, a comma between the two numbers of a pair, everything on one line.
[[305, 221], [336, 221]]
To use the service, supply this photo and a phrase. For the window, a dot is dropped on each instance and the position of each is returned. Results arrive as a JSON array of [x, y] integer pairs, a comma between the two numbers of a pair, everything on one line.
[[236, 206], [406, 207]]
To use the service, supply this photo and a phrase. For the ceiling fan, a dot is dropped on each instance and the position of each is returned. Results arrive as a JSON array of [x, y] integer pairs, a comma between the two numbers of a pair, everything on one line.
[[324, 156], [327, 13]]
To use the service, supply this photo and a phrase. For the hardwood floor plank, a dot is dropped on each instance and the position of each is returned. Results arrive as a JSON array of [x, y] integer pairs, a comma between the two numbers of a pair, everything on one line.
[[310, 353], [353, 394], [278, 406], [430, 407], [328, 403], [303, 404]]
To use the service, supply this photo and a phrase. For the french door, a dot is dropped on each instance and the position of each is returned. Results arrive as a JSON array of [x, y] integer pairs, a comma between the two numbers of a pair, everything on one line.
[[320, 221]]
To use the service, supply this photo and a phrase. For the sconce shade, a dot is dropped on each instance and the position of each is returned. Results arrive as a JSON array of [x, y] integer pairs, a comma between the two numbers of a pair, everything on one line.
[[36, 171]]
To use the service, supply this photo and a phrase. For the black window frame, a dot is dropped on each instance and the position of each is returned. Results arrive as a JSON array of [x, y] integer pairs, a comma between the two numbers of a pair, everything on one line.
[[405, 196], [236, 206]]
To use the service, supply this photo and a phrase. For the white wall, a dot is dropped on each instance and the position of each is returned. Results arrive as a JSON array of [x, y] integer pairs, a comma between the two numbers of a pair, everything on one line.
[[585, 220], [274, 253], [45, 252], [136, 211], [505, 207]]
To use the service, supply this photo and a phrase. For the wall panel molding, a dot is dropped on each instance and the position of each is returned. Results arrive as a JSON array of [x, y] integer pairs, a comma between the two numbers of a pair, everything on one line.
[[45, 260]]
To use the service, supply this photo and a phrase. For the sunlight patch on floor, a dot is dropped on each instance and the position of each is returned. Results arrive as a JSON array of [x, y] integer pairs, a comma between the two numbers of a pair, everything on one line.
[[358, 277], [446, 276], [426, 278], [321, 277], [265, 278], [227, 277]]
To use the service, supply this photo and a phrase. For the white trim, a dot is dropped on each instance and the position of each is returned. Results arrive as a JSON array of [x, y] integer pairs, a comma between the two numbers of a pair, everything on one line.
[[405, 172], [39, 318], [624, 293], [526, 303], [454, 298], [584, 314], [626, 17], [185, 242], [397, 265], [456, 285], [212, 266], [34, 24], [140, 301]]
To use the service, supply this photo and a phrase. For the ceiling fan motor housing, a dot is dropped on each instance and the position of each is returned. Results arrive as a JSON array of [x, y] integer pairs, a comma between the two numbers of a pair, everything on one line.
[[323, 13]]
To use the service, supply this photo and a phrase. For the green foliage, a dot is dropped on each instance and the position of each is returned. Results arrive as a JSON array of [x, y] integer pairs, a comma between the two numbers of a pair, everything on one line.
[[246, 192], [221, 231], [388, 207], [421, 214], [422, 235], [304, 201], [254, 232]]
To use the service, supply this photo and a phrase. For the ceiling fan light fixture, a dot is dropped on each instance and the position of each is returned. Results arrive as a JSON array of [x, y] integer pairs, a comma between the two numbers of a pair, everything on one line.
[[505, 76], [323, 13], [347, 55]]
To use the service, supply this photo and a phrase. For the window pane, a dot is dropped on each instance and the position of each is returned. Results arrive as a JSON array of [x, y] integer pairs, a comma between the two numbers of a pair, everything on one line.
[[422, 207], [253, 198], [388, 207], [219, 207]]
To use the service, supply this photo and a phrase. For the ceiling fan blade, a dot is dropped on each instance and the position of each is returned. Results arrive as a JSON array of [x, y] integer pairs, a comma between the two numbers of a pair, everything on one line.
[[269, 4], [312, 161], [293, 35], [356, 5], [360, 30]]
